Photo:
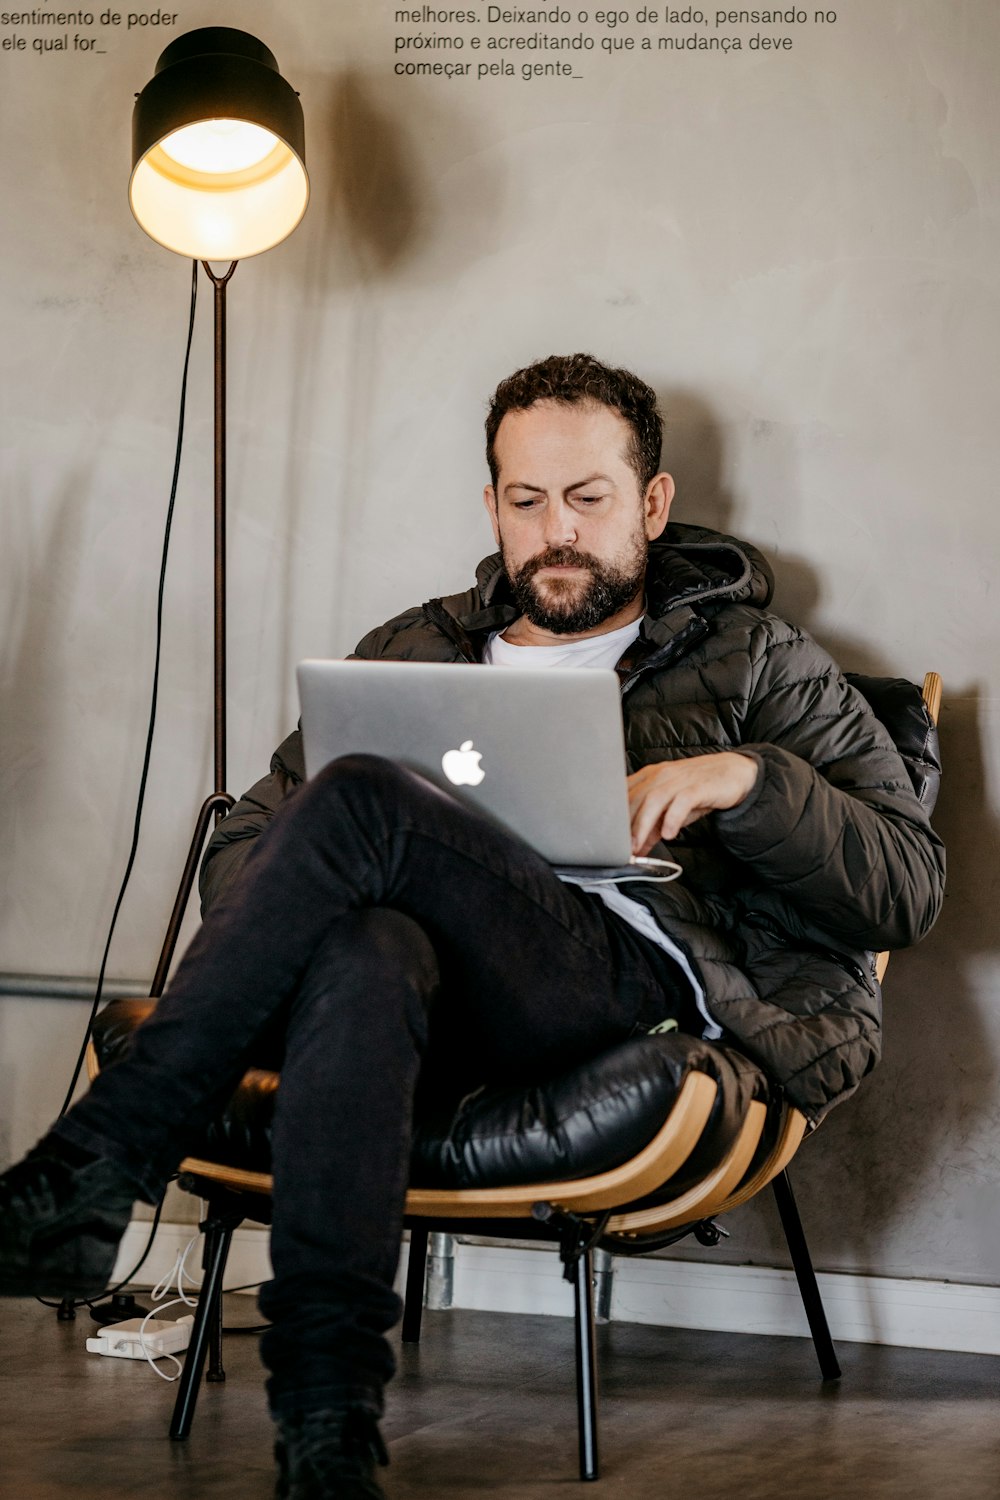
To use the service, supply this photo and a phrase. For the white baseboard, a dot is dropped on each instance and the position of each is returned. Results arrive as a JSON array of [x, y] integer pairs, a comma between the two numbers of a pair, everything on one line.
[[669, 1293], [759, 1299]]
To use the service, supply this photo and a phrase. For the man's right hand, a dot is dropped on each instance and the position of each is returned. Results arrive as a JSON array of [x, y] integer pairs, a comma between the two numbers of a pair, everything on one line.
[[667, 796]]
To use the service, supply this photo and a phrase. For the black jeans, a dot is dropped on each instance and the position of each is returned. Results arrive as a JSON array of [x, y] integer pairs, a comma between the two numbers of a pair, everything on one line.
[[382, 926]]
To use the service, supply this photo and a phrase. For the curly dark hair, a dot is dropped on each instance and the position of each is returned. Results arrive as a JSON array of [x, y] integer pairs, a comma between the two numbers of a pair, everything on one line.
[[572, 378]]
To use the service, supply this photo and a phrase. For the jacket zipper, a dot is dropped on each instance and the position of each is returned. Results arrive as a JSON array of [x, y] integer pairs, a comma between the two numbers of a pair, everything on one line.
[[682, 642], [767, 924]]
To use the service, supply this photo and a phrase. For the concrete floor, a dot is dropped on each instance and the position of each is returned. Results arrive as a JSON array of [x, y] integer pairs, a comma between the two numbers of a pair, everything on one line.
[[486, 1404]]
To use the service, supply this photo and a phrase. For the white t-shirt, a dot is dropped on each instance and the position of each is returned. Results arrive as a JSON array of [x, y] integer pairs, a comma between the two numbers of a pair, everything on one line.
[[596, 651], [605, 651]]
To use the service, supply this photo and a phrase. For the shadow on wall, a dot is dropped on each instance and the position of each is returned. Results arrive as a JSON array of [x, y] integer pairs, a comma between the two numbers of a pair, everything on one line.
[[381, 205], [375, 192], [693, 453], [878, 1163], [911, 1145]]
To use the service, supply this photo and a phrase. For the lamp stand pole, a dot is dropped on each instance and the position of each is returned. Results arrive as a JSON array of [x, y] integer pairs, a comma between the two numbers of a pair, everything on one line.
[[219, 802]]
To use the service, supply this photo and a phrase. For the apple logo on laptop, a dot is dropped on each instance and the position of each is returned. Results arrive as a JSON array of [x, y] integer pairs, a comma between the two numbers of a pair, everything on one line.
[[462, 766]]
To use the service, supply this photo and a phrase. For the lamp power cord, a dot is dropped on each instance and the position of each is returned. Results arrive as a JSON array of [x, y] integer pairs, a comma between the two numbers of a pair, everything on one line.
[[68, 1307]]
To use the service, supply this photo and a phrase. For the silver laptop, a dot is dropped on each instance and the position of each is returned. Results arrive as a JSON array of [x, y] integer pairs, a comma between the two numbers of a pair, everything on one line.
[[540, 751]]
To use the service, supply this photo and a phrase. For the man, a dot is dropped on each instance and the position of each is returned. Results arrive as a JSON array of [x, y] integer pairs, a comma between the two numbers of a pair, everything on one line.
[[373, 920]]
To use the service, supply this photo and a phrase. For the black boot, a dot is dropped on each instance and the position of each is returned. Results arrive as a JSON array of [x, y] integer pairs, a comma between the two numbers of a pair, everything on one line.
[[329, 1455], [62, 1212]]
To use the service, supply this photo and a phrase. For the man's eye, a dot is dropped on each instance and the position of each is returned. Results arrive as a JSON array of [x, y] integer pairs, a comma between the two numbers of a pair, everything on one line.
[[587, 499], [525, 504]]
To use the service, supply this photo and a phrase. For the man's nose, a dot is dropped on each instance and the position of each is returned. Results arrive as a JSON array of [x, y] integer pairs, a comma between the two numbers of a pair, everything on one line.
[[560, 524]]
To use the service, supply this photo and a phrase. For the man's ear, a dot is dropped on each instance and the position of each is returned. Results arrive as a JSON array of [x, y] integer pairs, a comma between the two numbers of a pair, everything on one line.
[[656, 505], [490, 501]]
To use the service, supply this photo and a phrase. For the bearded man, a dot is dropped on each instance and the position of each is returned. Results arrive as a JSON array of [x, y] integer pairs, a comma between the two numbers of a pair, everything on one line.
[[394, 936]]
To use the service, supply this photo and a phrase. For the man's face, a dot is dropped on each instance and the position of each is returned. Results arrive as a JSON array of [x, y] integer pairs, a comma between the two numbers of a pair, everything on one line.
[[571, 519]]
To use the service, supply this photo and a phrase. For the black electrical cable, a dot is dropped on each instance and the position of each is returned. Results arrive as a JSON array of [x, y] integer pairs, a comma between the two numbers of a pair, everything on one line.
[[140, 801], [156, 685]]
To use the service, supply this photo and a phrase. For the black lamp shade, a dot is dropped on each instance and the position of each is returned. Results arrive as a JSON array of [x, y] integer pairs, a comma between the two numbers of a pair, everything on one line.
[[218, 148]]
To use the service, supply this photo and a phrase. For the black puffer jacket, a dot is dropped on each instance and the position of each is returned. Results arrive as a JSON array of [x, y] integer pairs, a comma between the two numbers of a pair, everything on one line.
[[783, 898]]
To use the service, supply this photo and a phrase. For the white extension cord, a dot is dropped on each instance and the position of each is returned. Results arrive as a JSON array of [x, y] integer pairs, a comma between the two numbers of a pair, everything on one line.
[[150, 1338], [143, 1338]]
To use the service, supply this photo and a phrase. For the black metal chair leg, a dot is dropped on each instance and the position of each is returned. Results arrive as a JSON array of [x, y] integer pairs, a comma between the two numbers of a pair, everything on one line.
[[218, 1237], [215, 1374], [806, 1277], [586, 1363], [416, 1271]]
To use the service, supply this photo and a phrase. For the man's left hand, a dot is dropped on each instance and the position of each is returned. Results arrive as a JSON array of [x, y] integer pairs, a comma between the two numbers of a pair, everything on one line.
[[666, 797]]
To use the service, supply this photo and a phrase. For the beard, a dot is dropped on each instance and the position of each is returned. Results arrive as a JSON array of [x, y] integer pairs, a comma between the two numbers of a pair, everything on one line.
[[569, 606]]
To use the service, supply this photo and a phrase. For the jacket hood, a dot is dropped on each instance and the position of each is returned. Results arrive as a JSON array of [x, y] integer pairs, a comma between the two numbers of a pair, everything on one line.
[[688, 566], [693, 564]]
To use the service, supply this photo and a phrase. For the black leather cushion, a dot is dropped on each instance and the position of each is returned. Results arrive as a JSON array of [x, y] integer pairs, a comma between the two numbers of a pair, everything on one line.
[[588, 1120], [899, 705]]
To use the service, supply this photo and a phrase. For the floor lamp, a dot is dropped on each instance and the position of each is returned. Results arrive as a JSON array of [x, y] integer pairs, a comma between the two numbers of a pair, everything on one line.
[[218, 174]]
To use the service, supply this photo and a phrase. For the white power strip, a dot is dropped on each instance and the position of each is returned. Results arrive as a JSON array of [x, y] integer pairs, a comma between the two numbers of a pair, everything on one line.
[[122, 1341]]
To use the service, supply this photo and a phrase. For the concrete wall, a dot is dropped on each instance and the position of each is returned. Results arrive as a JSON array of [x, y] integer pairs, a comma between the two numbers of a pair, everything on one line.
[[799, 248]]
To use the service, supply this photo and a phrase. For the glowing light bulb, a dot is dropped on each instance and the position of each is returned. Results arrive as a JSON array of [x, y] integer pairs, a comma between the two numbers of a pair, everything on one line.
[[219, 145]]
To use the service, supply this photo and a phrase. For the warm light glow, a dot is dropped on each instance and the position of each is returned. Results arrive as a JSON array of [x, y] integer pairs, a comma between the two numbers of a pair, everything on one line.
[[220, 215], [219, 145]]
